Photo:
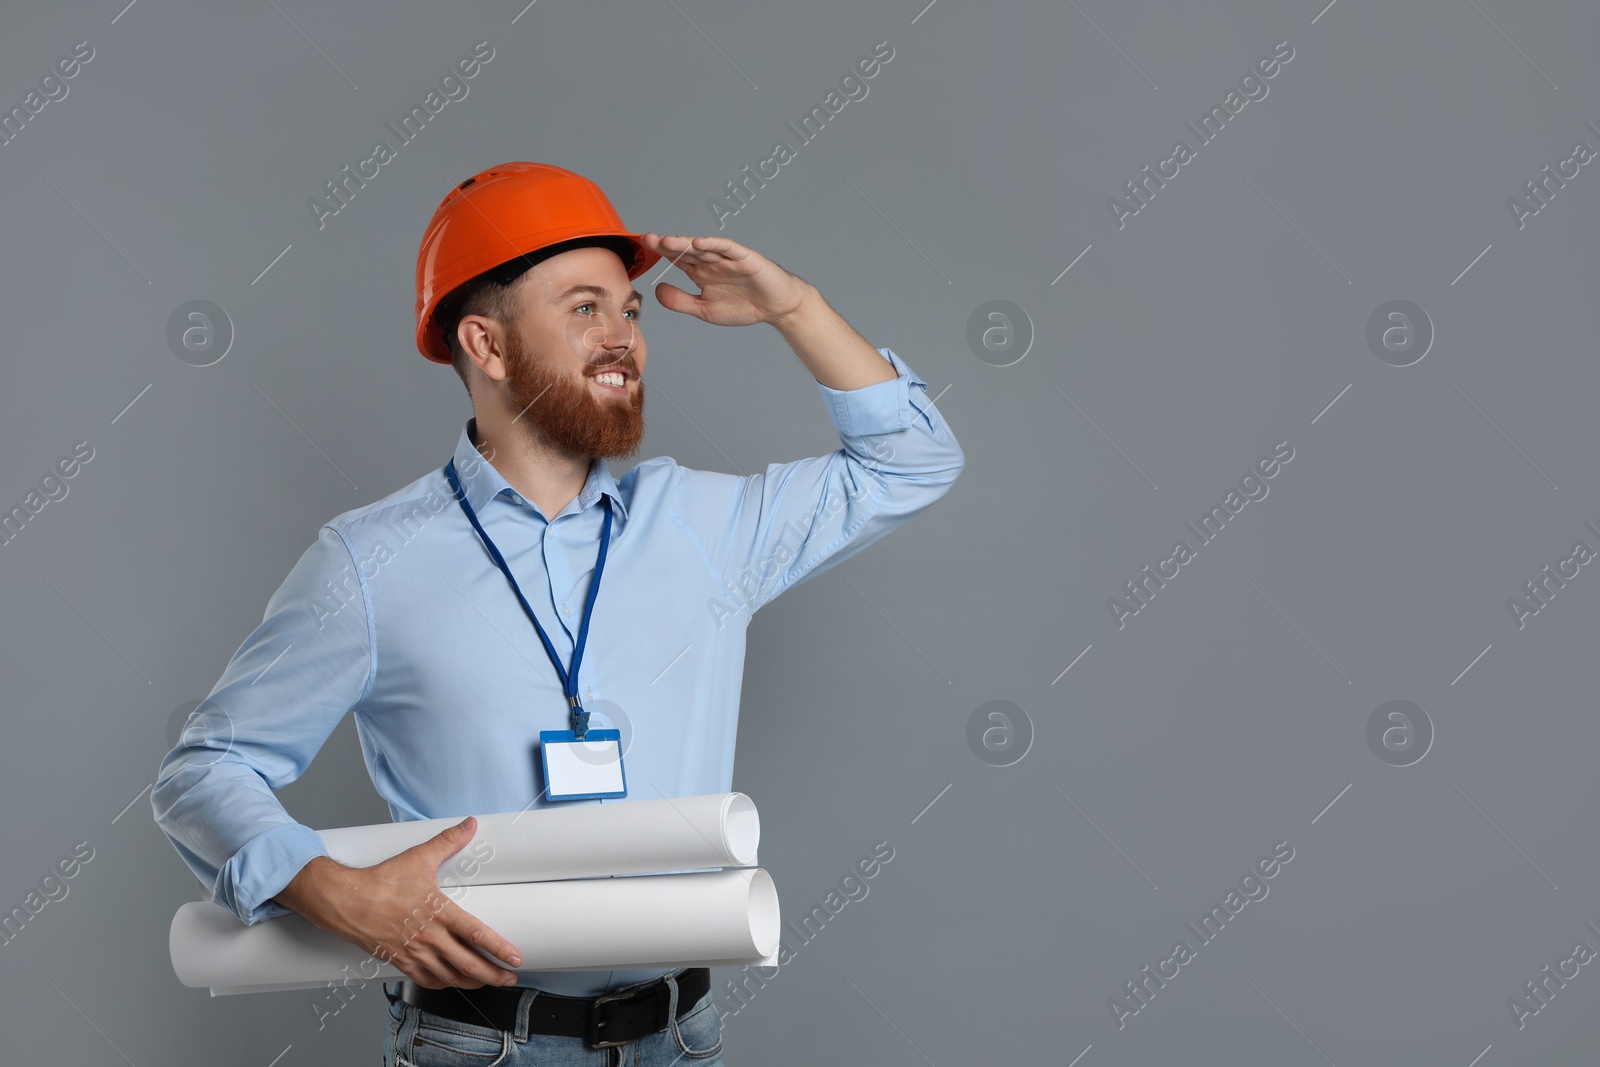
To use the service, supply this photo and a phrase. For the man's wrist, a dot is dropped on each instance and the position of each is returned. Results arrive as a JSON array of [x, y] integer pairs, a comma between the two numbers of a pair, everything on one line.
[[306, 888], [835, 354], [811, 304]]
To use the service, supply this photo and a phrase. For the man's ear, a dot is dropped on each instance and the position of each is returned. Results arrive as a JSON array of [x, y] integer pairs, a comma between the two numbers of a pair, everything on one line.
[[482, 342]]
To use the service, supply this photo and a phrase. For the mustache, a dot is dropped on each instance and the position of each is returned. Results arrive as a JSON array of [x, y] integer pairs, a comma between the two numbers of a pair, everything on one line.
[[625, 363]]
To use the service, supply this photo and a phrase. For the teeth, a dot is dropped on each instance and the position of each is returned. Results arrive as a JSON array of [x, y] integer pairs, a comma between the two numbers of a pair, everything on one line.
[[610, 378]]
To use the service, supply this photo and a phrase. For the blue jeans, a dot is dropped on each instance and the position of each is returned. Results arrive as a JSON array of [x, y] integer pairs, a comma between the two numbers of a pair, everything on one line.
[[421, 1039]]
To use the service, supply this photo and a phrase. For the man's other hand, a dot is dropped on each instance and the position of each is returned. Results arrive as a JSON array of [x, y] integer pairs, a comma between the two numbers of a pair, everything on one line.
[[396, 911]]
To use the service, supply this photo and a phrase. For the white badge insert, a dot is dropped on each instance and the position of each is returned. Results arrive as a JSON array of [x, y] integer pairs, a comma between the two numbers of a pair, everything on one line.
[[587, 769]]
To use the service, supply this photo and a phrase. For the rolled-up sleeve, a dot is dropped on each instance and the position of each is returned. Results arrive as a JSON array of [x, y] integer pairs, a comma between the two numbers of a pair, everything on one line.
[[766, 533], [281, 695]]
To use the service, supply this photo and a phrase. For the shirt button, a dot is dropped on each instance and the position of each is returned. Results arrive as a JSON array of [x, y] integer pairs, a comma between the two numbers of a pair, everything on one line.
[[566, 610]]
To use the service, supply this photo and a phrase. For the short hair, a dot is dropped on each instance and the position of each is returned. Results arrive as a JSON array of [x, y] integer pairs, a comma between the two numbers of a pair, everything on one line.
[[494, 293]]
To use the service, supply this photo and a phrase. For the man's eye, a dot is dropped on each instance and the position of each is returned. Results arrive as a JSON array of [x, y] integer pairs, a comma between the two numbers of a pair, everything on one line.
[[635, 312]]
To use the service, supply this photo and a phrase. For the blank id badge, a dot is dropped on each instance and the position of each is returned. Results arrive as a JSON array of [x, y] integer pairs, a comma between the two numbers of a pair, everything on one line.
[[590, 769]]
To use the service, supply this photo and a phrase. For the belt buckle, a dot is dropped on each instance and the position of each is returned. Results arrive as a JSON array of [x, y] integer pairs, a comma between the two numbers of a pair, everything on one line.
[[592, 1021]]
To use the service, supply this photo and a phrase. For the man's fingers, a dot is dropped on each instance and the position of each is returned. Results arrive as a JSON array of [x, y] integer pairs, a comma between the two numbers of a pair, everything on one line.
[[702, 243], [473, 931], [457, 963], [713, 249], [723, 246], [675, 247], [418, 967], [439, 971], [674, 299], [445, 843], [441, 959], [476, 970]]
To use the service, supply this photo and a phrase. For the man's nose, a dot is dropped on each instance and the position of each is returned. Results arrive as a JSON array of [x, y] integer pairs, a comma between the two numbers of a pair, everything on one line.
[[612, 331]]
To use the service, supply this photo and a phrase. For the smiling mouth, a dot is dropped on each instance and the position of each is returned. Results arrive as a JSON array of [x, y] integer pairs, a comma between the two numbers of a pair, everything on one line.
[[611, 382]]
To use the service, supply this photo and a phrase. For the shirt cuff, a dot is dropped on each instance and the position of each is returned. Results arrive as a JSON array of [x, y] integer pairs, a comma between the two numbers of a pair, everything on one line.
[[882, 407], [263, 867]]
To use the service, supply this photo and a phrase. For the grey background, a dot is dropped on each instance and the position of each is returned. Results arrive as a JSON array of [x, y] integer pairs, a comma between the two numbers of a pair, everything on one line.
[[1226, 316]]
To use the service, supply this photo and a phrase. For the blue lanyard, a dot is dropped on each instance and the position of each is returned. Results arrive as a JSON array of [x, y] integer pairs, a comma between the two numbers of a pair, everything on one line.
[[569, 680]]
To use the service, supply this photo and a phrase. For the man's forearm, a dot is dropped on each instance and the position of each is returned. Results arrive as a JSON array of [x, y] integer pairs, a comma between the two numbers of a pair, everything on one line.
[[834, 353]]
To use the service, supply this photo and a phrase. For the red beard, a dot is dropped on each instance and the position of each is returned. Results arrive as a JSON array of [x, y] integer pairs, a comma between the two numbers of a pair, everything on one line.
[[565, 409]]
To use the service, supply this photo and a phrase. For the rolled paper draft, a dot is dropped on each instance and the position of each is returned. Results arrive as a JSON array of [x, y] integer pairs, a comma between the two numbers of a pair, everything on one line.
[[703, 919], [662, 834]]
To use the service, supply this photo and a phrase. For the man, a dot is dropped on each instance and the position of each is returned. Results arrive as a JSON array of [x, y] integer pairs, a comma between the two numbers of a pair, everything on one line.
[[403, 614]]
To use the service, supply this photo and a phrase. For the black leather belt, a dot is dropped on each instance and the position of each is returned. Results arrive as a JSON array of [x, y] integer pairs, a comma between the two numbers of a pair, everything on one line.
[[603, 1021]]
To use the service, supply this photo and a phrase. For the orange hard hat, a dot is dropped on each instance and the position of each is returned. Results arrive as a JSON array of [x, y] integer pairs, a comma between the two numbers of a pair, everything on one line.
[[496, 218]]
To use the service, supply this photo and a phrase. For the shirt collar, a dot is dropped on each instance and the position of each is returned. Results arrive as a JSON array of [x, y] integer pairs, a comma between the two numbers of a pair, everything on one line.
[[482, 482]]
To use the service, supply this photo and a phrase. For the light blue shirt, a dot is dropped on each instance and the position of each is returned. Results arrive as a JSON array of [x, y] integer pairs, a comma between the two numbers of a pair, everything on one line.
[[398, 615]]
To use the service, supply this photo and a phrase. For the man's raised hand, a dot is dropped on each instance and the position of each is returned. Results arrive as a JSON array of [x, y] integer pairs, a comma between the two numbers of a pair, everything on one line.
[[738, 285]]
